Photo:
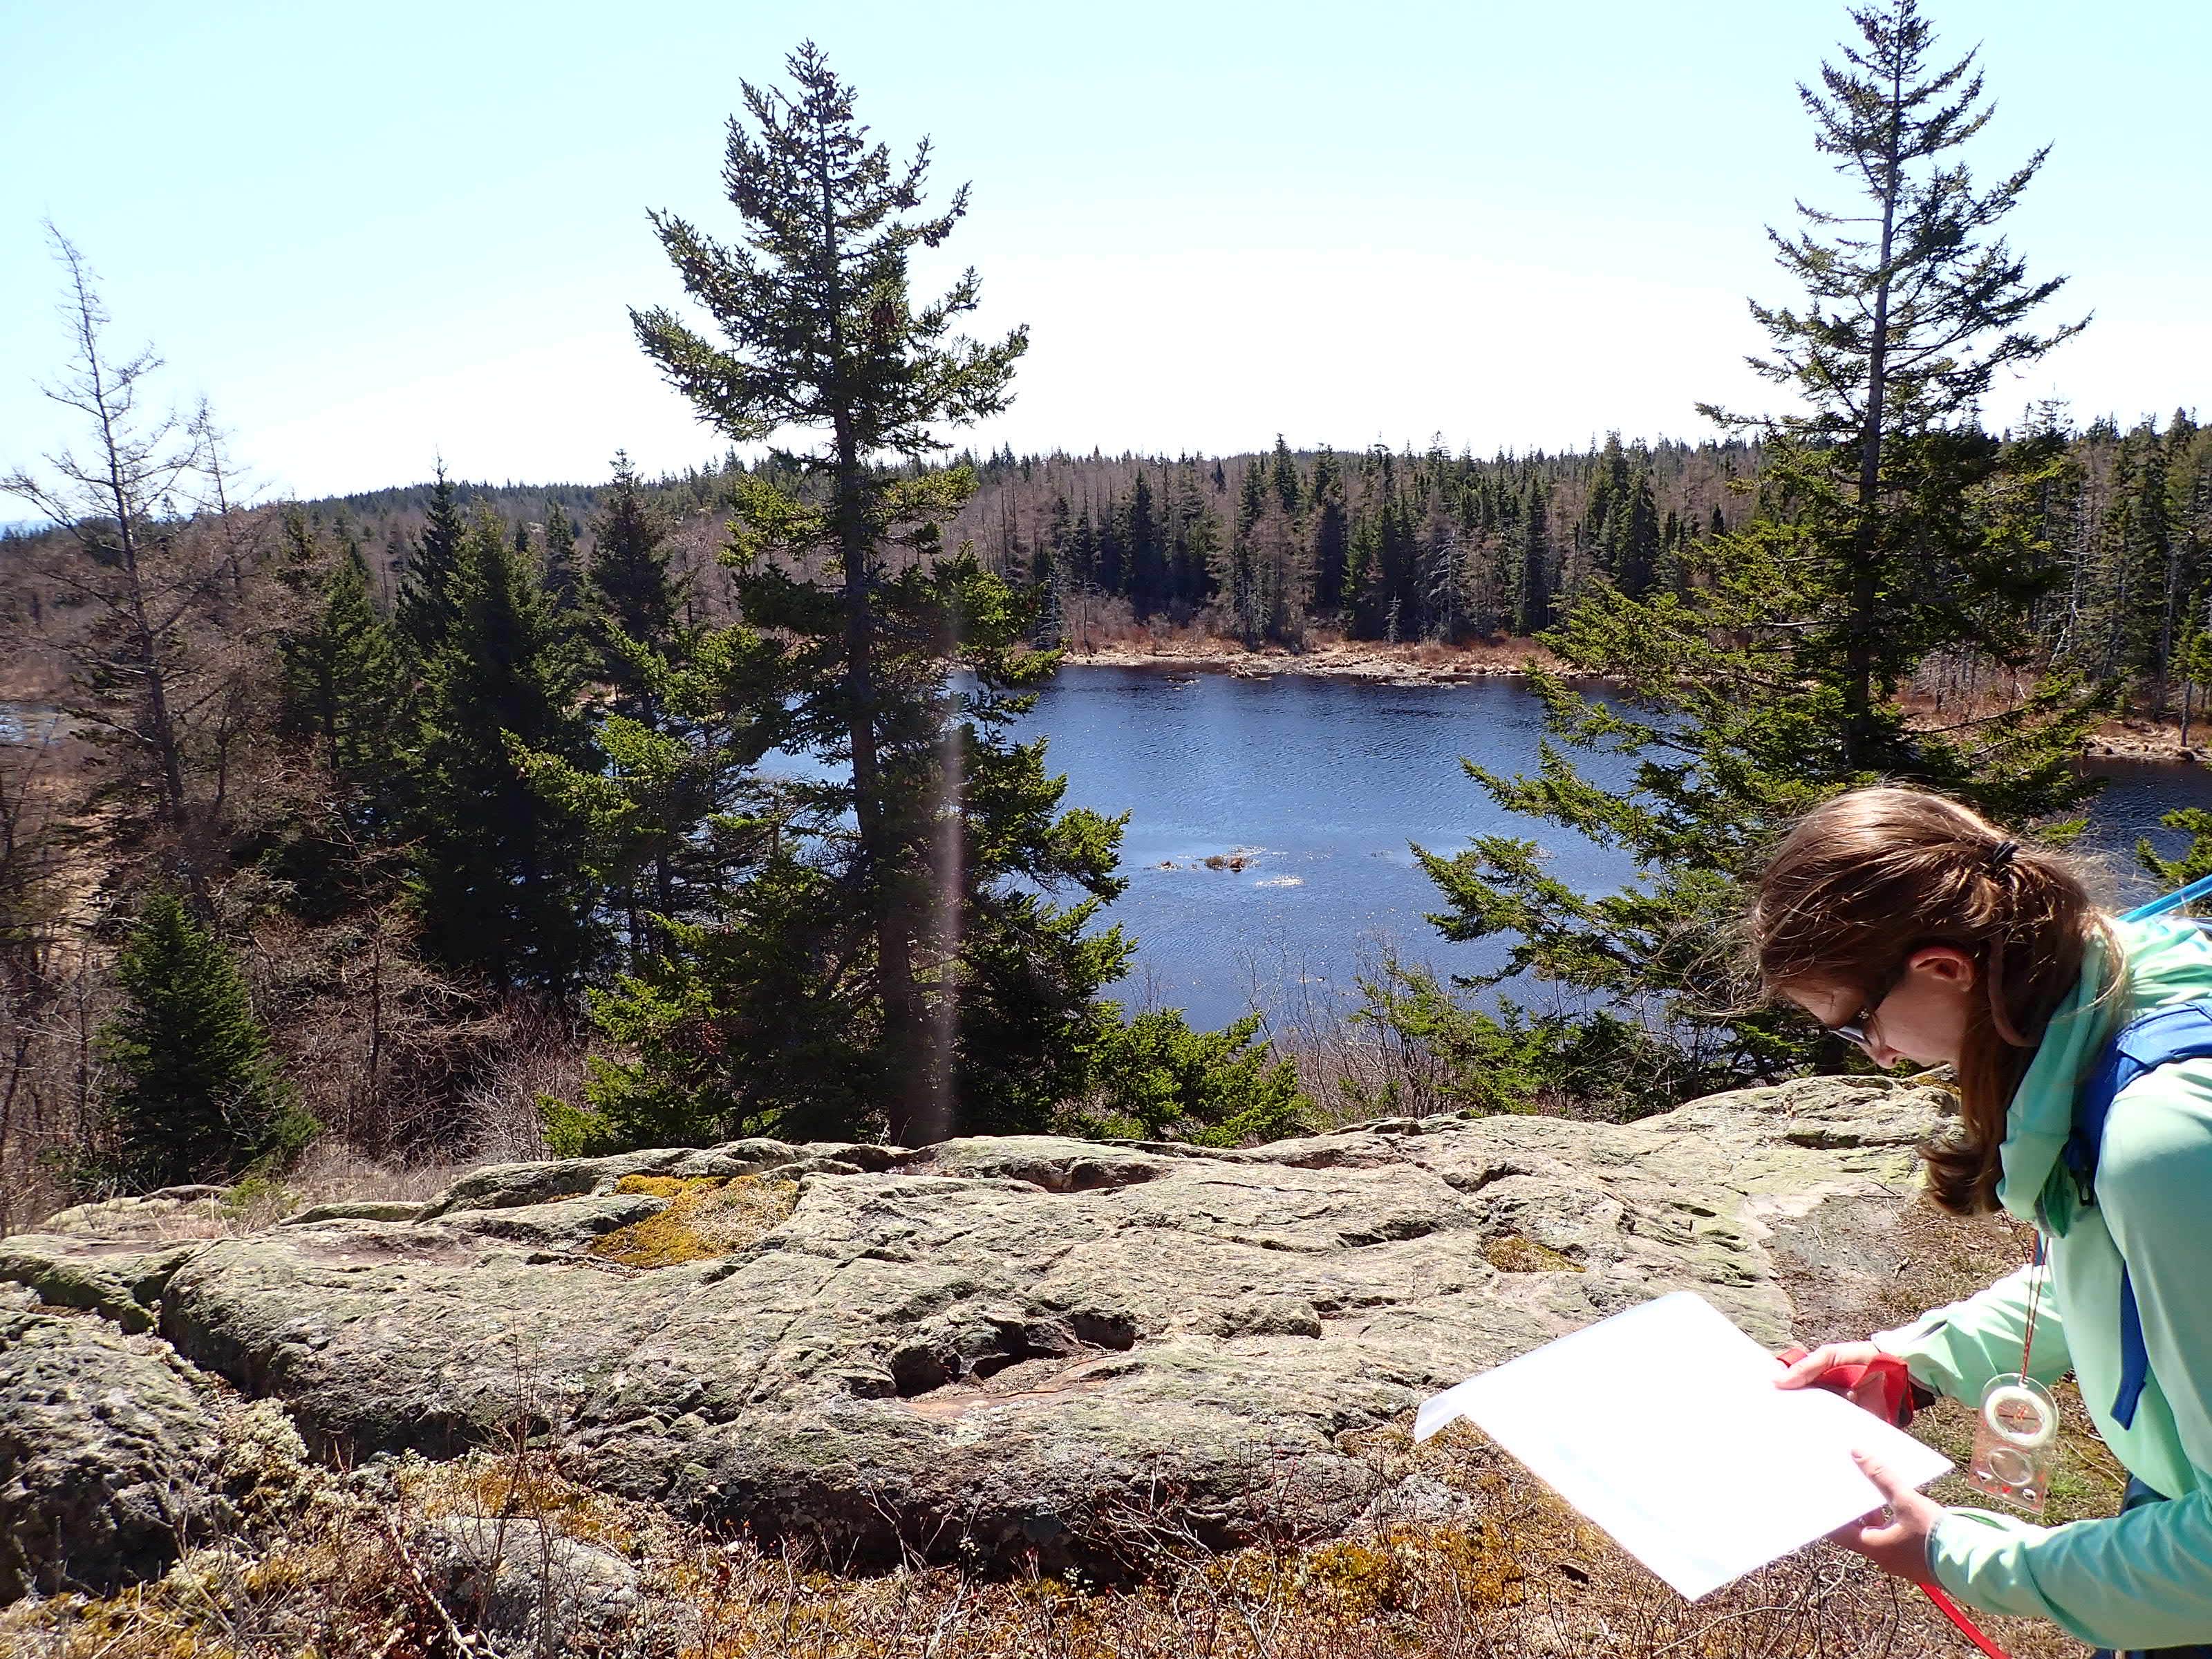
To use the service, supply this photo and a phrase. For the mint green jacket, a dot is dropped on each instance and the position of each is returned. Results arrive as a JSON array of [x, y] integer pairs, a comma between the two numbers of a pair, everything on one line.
[[2143, 1580]]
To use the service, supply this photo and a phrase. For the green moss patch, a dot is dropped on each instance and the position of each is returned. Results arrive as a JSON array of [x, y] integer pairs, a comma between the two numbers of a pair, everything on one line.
[[1515, 1255], [705, 1218]]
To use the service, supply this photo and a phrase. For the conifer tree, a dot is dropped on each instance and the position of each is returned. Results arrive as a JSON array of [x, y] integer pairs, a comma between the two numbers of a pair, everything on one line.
[[1147, 549], [344, 684], [1888, 528], [1637, 546], [1330, 533], [891, 964], [1366, 595], [1198, 556], [499, 878], [427, 586], [1532, 612], [632, 599], [196, 1095], [1907, 323], [560, 575], [1604, 516], [1288, 490], [670, 806]]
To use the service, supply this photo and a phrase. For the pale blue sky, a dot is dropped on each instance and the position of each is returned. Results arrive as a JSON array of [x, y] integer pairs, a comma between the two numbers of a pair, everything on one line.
[[372, 234]]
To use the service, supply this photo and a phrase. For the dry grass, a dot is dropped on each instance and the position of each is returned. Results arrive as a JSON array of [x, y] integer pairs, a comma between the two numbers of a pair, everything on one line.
[[1353, 1068], [331, 1172], [352, 1571], [1122, 639]]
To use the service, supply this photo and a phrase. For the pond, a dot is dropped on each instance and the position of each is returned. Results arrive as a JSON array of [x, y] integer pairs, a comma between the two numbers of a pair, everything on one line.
[[1317, 787]]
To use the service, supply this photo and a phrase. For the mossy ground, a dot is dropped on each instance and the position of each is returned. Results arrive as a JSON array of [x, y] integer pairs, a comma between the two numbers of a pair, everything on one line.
[[1513, 1253], [1512, 1572], [706, 1217]]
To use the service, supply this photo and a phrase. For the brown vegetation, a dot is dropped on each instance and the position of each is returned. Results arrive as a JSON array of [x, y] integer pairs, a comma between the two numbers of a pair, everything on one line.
[[1118, 642], [361, 1565]]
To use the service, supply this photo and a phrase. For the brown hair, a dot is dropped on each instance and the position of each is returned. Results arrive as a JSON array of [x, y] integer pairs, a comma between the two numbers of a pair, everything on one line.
[[1866, 878]]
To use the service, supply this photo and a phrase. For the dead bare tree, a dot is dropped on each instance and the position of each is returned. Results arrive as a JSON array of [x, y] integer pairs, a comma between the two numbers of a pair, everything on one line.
[[131, 579]]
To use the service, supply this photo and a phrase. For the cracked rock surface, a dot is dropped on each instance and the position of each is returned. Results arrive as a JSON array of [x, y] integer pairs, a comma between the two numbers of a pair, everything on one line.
[[108, 1453], [987, 1345]]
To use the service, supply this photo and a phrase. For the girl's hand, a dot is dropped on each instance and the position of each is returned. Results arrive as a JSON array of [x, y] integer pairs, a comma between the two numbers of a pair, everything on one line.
[[1895, 1538], [1818, 1363]]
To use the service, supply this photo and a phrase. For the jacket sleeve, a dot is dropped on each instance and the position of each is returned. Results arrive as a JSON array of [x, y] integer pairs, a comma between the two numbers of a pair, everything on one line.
[[1957, 1350], [2144, 1579], [2141, 1580]]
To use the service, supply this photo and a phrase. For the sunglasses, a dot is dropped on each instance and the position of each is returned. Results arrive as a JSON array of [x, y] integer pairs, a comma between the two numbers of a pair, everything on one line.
[[1856, 1028]]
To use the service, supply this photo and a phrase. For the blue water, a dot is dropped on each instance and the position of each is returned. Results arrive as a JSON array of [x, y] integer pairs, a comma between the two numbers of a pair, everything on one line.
[[1320, 785], [28, 722]]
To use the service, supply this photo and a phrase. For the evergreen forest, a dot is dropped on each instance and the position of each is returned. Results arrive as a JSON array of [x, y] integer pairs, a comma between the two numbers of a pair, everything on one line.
[[456, 822]]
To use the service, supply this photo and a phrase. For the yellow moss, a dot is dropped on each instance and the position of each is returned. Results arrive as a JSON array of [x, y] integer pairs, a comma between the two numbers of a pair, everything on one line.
[[484, 1485], [660, 1185], [705, 1218], [1515, 1255]]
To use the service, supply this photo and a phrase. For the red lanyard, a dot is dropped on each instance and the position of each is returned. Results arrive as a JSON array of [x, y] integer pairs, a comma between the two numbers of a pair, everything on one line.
[[1944, 1604], [1949, 1609]]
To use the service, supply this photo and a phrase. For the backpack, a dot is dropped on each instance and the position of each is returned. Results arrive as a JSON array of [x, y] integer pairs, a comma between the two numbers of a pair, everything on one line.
[[2142, 1045]]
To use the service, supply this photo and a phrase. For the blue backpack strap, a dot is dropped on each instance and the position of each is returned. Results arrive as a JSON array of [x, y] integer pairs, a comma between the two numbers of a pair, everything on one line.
[[2142, 1045]]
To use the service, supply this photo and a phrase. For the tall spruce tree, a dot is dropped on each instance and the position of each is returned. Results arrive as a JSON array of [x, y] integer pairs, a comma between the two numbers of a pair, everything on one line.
[[344, 684], [560, 573], [1532, 610], [427, 587], [1888, 528], [194, 1096], [891, 965], [1913, 307], [499, 873]]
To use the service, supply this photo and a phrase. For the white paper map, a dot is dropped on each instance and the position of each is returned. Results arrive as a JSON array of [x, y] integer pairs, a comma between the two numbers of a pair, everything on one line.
[[1662, 1425]]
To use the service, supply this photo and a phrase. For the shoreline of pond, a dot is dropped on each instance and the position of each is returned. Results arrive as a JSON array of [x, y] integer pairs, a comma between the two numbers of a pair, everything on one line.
[[1427, 664]]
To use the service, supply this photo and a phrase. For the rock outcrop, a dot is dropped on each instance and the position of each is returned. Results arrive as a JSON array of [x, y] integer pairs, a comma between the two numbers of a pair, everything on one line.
[[109, 1454], [991, 1346]]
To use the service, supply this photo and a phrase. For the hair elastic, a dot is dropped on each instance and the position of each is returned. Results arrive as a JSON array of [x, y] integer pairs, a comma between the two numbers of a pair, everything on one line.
[[2001, 856]]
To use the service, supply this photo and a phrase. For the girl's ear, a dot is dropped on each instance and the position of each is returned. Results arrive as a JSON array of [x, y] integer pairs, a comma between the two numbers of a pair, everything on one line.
[[1947, 963]]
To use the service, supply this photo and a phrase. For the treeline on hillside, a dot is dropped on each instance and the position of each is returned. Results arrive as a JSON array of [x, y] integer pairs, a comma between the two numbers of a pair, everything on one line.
[[1375, 545], [1402, 546]]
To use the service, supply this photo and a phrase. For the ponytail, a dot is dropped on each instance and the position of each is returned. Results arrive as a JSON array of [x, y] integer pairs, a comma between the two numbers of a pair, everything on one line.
[[1865, 880]]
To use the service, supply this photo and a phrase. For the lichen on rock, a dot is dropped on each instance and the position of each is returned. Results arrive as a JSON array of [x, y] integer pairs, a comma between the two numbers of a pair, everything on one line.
[[988, 1346], [704, 1217], [109, 1454]]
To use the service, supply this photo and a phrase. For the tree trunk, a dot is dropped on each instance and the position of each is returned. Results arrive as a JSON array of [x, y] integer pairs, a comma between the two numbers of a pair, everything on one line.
[[906, 1105], [1858, 686]]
